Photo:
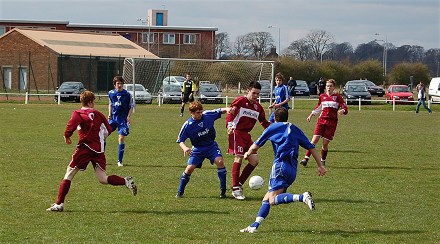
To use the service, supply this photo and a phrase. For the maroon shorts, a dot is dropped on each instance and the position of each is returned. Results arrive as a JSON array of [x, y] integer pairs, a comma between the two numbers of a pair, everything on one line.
[[84, 155], [239, 142], [327, 131]]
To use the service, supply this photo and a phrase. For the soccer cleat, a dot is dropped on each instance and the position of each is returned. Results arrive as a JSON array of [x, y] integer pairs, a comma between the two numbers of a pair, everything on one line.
[[56, 207], [129, 183], [223, 194], [308, 200], [120, 164], [179, 195], [181, 115], [304, 162], [249, 230], [323, 162], [238, 193]]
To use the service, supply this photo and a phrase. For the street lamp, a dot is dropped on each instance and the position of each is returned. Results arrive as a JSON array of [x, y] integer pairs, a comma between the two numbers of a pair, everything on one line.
[[147, 21], [385, 53], [279, 37]]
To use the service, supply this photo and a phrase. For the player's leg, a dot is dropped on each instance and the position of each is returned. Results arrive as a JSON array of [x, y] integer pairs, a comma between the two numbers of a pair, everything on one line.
[[184, 178], [248, 169], [327, 137], [314, 141], [221, 172], [123, 132], [99, 165], [236, 147]]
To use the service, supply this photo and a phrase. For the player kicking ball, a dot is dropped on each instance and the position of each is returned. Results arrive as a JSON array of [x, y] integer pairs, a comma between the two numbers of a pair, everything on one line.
[[199, 128], [93, 128], [286, 139]]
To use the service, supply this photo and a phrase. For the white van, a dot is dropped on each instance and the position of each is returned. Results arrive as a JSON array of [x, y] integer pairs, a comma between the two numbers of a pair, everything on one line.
[[434, 89]]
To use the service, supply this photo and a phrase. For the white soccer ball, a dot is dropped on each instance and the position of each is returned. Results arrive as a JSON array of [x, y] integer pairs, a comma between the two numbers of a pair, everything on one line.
[[256, 182]]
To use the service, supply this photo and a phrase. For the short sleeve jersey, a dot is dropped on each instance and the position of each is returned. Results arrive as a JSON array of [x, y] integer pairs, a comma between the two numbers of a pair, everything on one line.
[[92, 126], [121, 103], [281, 94], [246, 114], [286, 139], [200, 132]]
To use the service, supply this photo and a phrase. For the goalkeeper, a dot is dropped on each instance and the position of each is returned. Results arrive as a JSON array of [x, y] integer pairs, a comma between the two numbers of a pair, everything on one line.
[[188, 89]]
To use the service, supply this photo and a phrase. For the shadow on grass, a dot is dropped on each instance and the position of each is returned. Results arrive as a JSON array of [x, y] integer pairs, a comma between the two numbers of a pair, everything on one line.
[[348, 233], [372, 167], [177, 212], [319, 200]]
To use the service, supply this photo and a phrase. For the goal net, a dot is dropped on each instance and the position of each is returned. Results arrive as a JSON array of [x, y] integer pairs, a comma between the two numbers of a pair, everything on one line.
[[230, 76]]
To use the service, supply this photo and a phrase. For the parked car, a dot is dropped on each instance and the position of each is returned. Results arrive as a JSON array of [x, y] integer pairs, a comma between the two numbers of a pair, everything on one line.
[[400, 93], [69, 91], [171, 93], [266, 90], [352, 92], [434, 89], [176, 80], [372, 88], [209, 93], [140, 94], [313, 88], [301, 88]]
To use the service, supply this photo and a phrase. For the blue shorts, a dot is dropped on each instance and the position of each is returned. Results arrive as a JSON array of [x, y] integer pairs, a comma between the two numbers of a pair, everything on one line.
[[282, 175], [123, 127], [200, 153]]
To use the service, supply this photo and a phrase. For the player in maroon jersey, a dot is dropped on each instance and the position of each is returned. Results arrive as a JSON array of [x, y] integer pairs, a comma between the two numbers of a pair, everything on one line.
[[330, 105], [93, 128], [245, 112]]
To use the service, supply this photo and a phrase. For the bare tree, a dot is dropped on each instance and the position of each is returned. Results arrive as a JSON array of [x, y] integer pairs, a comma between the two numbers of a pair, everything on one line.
[[318, 41], [299, 49], [258, 44], [222, 44], [239, 50], [339, 51]]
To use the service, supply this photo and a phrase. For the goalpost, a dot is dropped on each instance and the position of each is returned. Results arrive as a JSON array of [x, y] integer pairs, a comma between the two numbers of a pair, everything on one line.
[[230, 76]]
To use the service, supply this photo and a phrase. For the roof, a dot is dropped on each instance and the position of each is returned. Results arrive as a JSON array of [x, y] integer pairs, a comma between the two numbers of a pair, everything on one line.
[[84, 44], [108, 26]]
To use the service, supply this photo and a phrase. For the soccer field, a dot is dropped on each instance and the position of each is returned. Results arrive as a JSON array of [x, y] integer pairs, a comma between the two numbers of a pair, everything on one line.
[[381, 187]]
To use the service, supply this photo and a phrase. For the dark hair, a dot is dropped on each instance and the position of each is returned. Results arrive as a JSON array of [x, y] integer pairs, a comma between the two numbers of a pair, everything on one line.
[[281, 114], [254, 84], [118, 78]]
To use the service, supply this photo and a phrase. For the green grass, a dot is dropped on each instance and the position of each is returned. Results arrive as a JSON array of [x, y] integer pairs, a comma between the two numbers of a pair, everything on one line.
[[382, 183]]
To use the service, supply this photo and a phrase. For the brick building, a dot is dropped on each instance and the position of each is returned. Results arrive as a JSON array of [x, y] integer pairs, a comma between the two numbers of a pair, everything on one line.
[[35, 59], [154, 34]]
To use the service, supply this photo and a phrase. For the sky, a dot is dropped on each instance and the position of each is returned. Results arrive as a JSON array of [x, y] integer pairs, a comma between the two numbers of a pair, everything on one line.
[[400, 22]]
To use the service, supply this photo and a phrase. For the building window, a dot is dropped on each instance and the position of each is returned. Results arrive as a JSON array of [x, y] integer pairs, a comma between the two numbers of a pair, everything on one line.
[[189, 39], [145, 38], [169, 38], [2, 30]]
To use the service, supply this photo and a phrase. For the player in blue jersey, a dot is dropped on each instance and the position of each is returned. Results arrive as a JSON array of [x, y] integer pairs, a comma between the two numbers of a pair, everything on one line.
[[282, 96], [120, 108], [199, 128], [286, 139]]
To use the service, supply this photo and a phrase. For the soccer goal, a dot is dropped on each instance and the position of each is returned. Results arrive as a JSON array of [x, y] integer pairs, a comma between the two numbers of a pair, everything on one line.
[[230, 76]]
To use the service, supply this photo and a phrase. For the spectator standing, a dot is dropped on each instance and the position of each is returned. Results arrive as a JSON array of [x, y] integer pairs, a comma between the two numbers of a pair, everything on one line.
[[292, 84], [321, 85], [421, 95]]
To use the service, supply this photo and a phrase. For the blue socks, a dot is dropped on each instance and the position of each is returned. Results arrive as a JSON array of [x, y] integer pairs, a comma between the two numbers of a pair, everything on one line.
[[184, 179], [121, 149], [285, 198], [221, 172], [262, 214]]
